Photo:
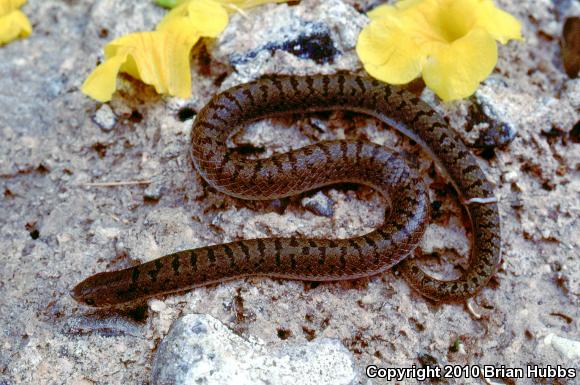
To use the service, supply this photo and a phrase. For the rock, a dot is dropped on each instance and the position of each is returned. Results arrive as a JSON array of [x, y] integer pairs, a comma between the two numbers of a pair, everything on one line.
[[105, 118], [319, 204], [314, 36], [499, 113], [510, 176], [304, 39], [201, 350], [153, 192], [439, 238], [568, 348], [495, 128]]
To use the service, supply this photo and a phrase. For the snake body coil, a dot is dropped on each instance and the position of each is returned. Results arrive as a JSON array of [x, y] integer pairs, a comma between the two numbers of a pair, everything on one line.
[[311, 167]]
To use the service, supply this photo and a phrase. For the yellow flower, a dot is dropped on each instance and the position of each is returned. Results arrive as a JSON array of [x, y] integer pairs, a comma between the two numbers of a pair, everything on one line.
[[13, 23], [451, 43], [159, 58]]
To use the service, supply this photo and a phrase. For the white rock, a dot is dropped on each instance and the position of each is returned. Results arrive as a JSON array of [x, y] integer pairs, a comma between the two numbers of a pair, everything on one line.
[[566, 347], [105, 118], [201, 350], [510, 176], [157, 305]]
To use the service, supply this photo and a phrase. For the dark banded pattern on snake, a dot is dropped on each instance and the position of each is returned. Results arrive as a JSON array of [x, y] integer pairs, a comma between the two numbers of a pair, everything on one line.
[[311, 167]]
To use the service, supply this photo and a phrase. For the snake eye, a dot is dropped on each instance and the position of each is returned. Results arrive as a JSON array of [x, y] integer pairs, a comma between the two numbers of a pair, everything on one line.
[[90, 301]]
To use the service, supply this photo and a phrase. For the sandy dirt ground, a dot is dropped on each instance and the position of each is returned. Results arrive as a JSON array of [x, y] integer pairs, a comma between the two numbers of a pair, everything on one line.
[[61, 220]]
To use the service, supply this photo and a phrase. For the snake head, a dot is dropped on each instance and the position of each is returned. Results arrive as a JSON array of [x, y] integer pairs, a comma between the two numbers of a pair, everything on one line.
[[83, 293], [104, 289]]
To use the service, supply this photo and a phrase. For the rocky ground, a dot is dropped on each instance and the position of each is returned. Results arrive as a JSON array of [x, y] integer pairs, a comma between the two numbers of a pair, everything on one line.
[[87, 187]]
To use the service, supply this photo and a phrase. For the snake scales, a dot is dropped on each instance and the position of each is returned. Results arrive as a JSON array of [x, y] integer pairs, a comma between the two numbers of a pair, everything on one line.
[[311, 167]]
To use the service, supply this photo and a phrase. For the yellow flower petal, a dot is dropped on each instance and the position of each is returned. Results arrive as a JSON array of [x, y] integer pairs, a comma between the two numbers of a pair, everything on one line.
[[102, 82], [200, 17], [390, 10], [7, 6], [13, 23], [158, 58], [451, 42], [455, 71], [500, 24], [387, 53], [382, 11]]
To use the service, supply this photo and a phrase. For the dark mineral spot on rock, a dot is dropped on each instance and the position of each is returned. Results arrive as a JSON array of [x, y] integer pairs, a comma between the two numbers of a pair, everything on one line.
[[529, 335], [554, 132], [548, 185], [435, 209], [186, 113], [283, 334], [419, 326], [100, 148], [238, 304], [32, 230], [309, 334], [104, 33], [42, 169], [498, 130], [488, 153], [203, 60], [313, 42], [318, 47], [220, 79], [135, 117], [427, 359]]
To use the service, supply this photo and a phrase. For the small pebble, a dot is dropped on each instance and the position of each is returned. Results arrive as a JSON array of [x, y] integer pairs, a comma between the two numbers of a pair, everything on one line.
[[157, 305], [105, 118], [153, 192], [319, 204], [510, 176]]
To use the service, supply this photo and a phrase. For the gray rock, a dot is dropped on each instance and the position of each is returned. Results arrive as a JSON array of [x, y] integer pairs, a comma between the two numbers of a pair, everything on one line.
[[153, 192], [201, 350], [105, 118], [568, 348], [314, 36], [319, 204], [495, 128]]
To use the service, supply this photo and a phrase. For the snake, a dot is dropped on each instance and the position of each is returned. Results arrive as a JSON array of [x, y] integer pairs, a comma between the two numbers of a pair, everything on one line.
[[311, 167]]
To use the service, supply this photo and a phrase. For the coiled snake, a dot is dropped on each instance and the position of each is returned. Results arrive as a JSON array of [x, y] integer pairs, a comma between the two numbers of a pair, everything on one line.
[[311, 167]]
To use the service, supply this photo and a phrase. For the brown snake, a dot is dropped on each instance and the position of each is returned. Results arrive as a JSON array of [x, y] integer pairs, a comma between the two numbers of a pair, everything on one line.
[[311, 167]]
